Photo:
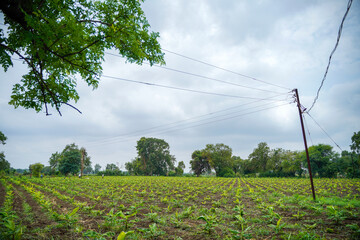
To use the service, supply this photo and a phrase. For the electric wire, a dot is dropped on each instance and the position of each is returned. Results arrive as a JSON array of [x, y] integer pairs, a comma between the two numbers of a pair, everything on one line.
[[188, 127], [333, 51], [224, 69], [227, 118], [324, 131], [198, 75], [142, 131], [308, 130], [180, 123], [182, 89]]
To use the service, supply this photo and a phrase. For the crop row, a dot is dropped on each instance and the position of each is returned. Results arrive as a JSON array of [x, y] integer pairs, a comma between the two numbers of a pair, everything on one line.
[[196, 208]]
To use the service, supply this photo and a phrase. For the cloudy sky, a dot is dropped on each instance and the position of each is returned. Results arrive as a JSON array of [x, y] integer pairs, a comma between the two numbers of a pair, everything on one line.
[[280, 45]]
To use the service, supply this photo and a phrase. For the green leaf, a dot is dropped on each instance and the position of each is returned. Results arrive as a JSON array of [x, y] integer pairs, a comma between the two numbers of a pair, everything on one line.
[[74, 211]]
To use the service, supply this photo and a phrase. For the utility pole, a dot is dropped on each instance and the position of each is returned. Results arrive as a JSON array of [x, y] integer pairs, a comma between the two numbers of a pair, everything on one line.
[[305, 143]]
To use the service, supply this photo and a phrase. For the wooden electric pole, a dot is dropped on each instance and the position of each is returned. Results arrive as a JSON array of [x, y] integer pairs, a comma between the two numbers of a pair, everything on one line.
[[305, 143]]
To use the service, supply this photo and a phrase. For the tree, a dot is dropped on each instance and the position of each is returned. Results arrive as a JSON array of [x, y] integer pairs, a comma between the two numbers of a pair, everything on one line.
[[46, 170], [355, 147], [246, 167], [88, 170], [179, 170], [112, 167], [200, 162], [54, 162], [220, 158], [59, 40], [97, 168], [4, 165], [85, 160], [276, 157], [291, 164], [321, 156], [155, 156], [260, 157], [3, 138], [135, 167], [70, 160], [237, 161], [35, 169], [355, 143], [349, 164]]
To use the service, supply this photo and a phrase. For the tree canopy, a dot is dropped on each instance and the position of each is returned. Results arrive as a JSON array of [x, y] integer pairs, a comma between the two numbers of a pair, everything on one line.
[[219, 156], [153, 158], [4, 164], [3, 138], [69, 161], [260, 156], [97, 168], [62, 40], [199, 162], [54, 161], [35, 169], [355, 143]]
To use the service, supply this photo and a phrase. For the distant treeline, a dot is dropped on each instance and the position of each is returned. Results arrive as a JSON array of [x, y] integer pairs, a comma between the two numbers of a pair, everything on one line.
[[154, 159]]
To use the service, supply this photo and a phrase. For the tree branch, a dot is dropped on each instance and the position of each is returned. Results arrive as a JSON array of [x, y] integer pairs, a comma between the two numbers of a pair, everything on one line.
[[39, 77]]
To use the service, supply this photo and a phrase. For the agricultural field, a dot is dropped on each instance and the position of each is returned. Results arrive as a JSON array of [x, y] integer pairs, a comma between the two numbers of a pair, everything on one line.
[[178, 208]]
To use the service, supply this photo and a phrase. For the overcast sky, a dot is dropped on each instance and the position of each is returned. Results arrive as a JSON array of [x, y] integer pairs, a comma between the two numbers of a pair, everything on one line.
[[282, 45]]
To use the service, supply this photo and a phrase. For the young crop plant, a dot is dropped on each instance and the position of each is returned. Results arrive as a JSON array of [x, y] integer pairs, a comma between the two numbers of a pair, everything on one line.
[[69, 219], [176, 220], [117, 221], [355, 228], [154, 217], [278, 227], [177, 203], [335, 214], [210, 223], [122, 235], [10, 228], [91, 234], [271, 215], [299, 215], [153, 232], [186, 213], [243, 231]]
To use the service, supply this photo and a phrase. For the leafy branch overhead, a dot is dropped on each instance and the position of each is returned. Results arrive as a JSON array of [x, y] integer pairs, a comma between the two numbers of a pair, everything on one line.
[[61, 40]]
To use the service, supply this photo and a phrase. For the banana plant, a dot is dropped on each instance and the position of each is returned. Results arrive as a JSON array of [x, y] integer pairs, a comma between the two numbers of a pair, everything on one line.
[[278, 227], [210, 222], [335, 214], [123, 235], [68, 219]]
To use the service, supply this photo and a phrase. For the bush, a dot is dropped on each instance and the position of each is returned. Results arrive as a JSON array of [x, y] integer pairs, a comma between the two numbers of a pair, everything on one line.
[[226, 172]]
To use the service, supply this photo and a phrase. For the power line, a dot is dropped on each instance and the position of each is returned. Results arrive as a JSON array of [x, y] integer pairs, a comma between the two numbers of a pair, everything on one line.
[[333, 51], [184, 122], [148, 130], [228, 118], [198, 75], [182, 89], [224, 69], [173, 129], [324, 131], [308, 130]]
